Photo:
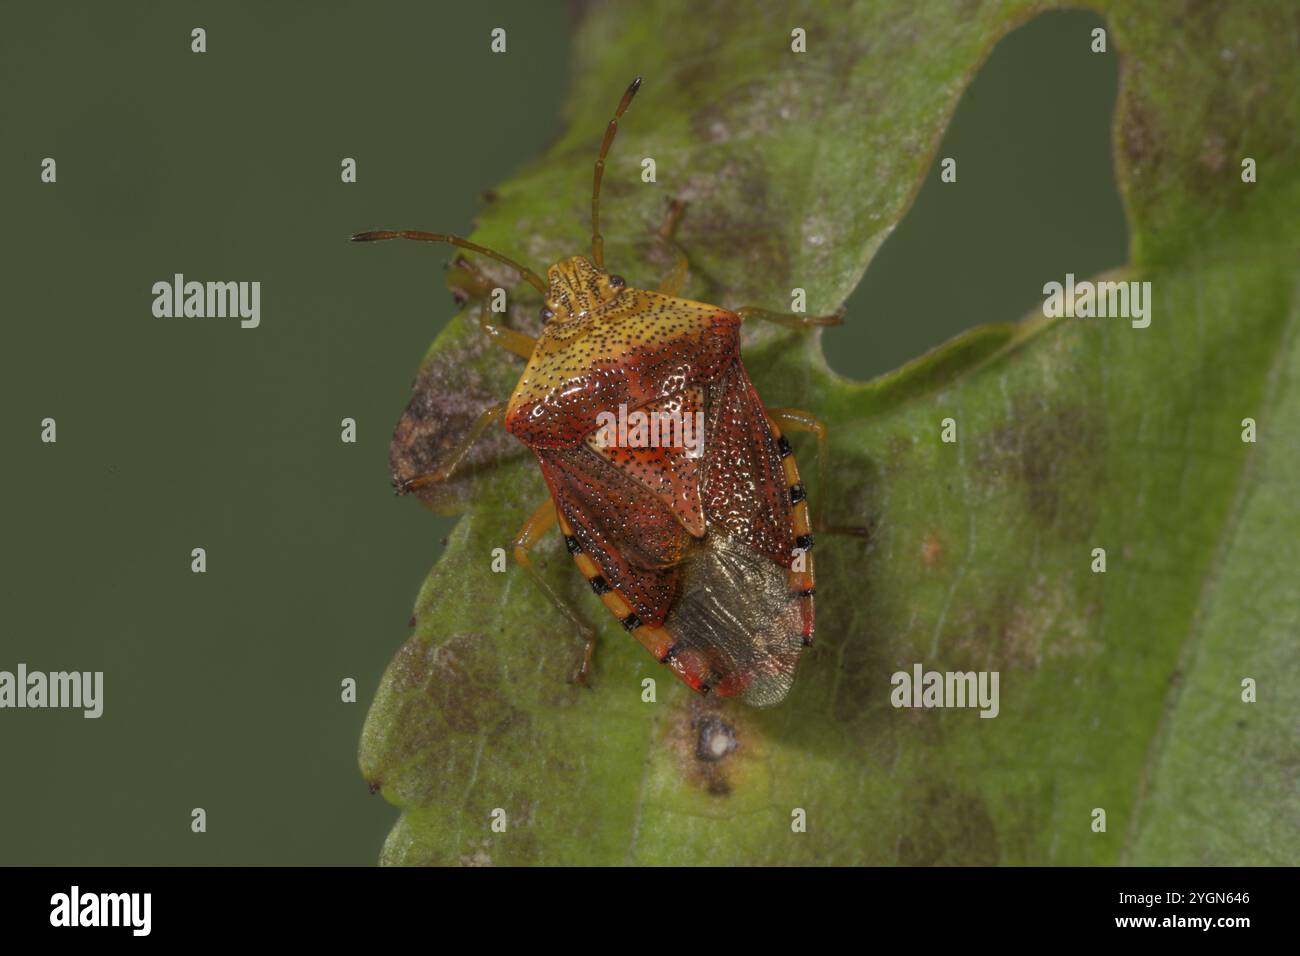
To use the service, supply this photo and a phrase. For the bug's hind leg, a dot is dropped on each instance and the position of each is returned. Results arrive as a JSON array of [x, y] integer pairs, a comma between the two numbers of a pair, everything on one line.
[[486, 420], [539, 522], [796, 420], [673, 282], [791, 320]]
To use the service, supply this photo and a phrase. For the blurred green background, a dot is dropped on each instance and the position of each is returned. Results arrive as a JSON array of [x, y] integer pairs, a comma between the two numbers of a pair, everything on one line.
[[223, 689]]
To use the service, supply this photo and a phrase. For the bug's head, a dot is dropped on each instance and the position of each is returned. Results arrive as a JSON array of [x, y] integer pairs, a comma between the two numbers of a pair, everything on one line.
[[577, 287]]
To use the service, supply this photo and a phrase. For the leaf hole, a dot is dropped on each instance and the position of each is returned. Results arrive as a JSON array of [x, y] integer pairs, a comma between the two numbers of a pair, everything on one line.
[[1035, 197]]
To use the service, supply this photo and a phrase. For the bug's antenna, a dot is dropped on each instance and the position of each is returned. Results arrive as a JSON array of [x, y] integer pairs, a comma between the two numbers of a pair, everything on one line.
[[598, 241], [381, 234]]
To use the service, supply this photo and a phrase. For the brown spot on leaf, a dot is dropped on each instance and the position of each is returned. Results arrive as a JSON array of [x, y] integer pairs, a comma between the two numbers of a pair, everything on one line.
[[1020, 625], [861, 694], [452, 676], [931, 549], [854, 639], [714, 744], [449, 394], [1138, 141], [459, 380], [1214, 152], [947, 827], [444, 712], [1055, 454]]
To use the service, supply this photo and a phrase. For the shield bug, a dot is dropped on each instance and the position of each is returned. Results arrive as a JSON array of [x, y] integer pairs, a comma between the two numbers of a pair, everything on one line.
[[675, 489]]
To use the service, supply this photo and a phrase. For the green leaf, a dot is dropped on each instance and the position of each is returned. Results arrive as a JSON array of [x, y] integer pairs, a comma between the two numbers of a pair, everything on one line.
[[1119, 691]]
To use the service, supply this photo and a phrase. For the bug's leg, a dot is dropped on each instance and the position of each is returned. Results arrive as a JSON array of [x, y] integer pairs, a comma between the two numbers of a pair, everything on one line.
[[486, 420], [467, 281], [673, 282], [510, 340], [537, 524], [791, 320], [795, 420]]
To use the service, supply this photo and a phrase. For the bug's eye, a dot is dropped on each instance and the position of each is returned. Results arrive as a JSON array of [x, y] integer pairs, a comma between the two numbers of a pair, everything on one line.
[[617, 281], [547, 314]]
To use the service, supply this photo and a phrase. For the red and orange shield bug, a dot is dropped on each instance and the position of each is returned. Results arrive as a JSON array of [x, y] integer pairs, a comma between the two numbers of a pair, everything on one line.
[[702, 553]]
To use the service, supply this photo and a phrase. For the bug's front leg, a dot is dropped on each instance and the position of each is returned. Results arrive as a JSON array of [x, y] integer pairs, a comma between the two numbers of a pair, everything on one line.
[[797, 420], [490, 416], [467, 281], [541, 521], [510, 340], [791, 320]]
